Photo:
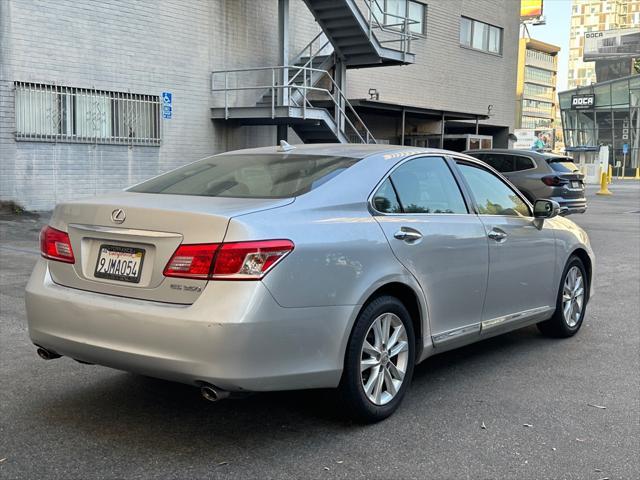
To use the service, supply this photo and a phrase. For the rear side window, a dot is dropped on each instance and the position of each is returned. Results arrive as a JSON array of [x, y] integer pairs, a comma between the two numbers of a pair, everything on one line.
[[385, 199], [502, 163], [249, 176], [426, 185], [523, 163], [562, 165]]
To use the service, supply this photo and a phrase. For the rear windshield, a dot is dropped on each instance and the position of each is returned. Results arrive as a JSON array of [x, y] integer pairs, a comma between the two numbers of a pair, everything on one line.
[[562, 164], [249, 176]]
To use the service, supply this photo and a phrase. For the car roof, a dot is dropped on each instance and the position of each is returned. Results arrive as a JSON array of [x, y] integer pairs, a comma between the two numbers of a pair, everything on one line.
[[517, 151], [354, 150]]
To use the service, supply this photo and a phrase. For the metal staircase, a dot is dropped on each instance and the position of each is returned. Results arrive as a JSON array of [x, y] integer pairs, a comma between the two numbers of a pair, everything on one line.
[[291, 94]]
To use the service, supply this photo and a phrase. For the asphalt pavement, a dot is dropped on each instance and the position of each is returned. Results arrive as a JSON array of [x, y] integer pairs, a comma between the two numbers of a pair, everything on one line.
[[556, 409]]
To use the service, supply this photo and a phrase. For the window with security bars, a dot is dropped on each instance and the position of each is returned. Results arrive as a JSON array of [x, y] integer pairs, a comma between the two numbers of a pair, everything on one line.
[[80, 115]]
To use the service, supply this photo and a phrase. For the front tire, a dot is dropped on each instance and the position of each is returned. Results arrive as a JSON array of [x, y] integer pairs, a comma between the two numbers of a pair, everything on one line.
[[379, 360], [571, 303]]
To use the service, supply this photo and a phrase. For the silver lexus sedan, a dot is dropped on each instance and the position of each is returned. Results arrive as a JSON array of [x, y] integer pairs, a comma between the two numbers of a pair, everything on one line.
[[309, 267]]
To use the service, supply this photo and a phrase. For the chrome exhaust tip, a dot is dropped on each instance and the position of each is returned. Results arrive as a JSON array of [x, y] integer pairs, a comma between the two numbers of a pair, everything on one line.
[[45, 354], [213, 394]]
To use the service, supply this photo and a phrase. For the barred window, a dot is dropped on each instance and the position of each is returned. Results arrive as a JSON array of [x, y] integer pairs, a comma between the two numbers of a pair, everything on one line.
[[80, 115]]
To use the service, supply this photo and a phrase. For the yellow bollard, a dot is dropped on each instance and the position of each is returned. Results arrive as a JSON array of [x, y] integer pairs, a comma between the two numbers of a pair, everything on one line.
[[604, 190], [609, 174], [638, 173]]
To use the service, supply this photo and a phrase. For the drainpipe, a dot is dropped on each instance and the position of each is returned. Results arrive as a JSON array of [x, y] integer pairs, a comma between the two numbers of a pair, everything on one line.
[[442, 131], [283, 60]]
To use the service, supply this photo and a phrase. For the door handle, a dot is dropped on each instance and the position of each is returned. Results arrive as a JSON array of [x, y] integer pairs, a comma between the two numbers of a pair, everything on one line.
[[407, 234], [497, 235]]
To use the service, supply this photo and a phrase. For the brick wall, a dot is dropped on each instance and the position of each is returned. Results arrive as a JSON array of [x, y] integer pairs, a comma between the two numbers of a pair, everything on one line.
[[173, 45], [447, 76], [141, 47]]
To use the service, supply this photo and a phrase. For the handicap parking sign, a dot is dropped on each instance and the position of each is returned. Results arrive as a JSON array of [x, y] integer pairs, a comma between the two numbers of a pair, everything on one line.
[[167, 105]]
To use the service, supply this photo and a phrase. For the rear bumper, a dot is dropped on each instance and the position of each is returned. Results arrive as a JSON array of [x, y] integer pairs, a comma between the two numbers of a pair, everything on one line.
[[235, 336], [574, 205]]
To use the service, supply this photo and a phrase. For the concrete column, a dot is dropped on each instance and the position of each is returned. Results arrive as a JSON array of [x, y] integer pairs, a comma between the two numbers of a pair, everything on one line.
[[283, 48], [340, 77]]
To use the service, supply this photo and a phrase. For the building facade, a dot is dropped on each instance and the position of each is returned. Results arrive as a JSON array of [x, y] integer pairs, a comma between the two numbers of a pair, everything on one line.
[[591, 16], [536, 90], [604, 114], [96, 96]]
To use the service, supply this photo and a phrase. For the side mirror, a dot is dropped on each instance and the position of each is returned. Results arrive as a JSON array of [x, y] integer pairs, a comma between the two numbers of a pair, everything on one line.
[[544, 208]]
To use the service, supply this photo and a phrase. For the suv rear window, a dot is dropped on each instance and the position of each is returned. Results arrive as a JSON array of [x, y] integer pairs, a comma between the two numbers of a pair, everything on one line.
[[248, 176], [562, 164]]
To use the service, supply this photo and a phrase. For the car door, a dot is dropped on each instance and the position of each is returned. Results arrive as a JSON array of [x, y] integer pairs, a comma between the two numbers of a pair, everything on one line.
[[425, 218], [521, 248]]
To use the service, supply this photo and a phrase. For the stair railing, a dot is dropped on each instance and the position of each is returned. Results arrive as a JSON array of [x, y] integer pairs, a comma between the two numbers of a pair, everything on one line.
[[399, 30], [343, 108]]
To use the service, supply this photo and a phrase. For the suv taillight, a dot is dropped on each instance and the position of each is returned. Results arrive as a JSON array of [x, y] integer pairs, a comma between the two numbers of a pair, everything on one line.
[[553, 181], [55, 245], [227, 261]]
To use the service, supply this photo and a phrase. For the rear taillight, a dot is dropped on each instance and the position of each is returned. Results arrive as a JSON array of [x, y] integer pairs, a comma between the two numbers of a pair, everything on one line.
[[554, 181], [192, 261], [249, 260], [55, 245], [227, 261]]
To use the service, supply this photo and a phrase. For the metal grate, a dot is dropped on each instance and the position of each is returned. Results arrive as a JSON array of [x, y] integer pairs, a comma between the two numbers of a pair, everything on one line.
[[54, 113]]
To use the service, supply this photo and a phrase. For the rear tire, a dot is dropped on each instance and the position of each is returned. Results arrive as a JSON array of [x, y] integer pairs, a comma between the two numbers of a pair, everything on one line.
[[379, 360], [571, 303]]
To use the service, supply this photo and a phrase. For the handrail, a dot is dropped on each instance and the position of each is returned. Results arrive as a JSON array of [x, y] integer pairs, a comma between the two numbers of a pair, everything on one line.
[[338, 97], [405, 34]]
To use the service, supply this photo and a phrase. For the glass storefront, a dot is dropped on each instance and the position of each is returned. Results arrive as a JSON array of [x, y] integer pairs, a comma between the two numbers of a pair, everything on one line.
[[613, 119]]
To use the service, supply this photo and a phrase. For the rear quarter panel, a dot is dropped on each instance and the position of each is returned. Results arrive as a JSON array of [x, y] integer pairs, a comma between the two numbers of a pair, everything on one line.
[[341, 255]]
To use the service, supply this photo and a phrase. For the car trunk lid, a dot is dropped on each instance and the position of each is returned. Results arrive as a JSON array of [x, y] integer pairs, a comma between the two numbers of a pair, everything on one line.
[[142, 231]]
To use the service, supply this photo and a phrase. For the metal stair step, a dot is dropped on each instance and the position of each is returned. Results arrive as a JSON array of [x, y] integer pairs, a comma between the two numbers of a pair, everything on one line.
[[343, 22], [320, 5], [356, 49], [331, 13]]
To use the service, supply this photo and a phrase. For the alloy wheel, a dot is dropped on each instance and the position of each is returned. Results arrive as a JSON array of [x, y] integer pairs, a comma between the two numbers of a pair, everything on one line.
[[573, 296], [384, 358]]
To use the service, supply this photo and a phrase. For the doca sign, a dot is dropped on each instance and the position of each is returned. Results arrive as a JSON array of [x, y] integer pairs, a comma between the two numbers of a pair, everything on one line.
[[582, 102]]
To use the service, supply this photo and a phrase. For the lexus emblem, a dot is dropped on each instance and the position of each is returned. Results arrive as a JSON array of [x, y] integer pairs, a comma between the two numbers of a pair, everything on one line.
[[118, 216]]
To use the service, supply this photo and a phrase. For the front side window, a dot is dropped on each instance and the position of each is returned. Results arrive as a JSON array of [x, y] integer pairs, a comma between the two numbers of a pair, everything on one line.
[[426, 185], [249, 176], [492, 195], [480, 36]]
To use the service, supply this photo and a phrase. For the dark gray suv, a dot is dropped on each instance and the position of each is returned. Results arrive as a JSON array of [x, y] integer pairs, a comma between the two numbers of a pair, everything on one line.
[[539, 175]]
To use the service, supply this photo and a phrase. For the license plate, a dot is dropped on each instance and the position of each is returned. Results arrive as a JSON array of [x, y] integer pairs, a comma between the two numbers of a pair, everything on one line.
[[119, 263], [576, 185]]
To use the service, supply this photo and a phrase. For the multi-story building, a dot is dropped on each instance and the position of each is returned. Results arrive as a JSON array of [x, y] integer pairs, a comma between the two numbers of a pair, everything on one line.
[[95, 96], [536, 93], [590, 16]]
